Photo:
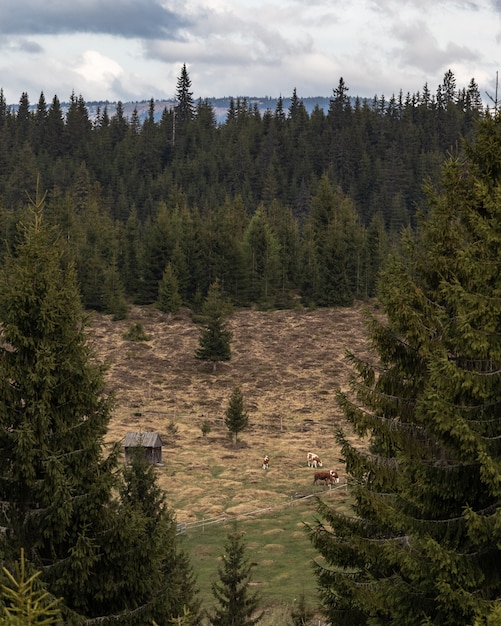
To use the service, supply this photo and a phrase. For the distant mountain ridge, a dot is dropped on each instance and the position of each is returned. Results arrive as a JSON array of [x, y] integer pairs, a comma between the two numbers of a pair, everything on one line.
[[220, 105]]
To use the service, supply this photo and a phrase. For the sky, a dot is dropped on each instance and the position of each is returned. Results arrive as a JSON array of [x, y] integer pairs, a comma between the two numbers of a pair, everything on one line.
[[134, 50]]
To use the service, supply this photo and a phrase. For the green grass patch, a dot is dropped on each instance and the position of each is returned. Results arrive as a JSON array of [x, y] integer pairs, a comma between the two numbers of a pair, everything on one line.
[[277, 544], [216, 470]]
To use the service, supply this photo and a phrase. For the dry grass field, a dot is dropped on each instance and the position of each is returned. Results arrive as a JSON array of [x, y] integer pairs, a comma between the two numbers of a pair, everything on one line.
[[288, 365]]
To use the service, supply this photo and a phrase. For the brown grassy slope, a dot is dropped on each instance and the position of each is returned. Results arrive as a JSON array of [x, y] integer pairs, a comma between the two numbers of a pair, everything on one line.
[[288, 364]]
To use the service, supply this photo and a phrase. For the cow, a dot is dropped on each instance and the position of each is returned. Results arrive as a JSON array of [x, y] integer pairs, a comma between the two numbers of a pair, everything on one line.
[[266, 462], [313, 460], [334, 475], [329, 478]]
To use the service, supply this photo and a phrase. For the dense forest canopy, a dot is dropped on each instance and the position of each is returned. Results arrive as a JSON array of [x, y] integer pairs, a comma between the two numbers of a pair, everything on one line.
[[276, 205]]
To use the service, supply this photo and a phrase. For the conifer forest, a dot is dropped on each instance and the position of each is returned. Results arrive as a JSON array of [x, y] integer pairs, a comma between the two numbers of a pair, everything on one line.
[[276, 206], [391, 199]]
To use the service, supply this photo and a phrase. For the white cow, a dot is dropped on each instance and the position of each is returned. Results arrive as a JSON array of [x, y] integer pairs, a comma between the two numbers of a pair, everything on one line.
[[266, 462], [313, 460]]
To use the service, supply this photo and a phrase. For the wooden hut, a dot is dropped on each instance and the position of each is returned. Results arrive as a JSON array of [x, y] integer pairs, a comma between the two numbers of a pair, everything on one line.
[[150, 442]]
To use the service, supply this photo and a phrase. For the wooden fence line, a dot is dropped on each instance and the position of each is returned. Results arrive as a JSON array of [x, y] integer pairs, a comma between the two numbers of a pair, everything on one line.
[[184, 527]]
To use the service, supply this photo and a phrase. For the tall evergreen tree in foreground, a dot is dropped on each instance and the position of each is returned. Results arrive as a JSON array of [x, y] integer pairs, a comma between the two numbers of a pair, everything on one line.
[[175, 593], [53, 417], [423, 545], [103, 555]]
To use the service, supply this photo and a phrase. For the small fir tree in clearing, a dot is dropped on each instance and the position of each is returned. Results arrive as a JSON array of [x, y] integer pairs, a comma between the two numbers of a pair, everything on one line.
[[236, 604], [215, 337], [236, 418], [136, 332], [169, 300], [205, 428], [301, 614]]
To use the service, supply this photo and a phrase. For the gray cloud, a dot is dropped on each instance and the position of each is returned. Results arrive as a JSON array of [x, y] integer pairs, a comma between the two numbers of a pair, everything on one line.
[[146, 19], [420, 49], [26, 45], [231, 39]]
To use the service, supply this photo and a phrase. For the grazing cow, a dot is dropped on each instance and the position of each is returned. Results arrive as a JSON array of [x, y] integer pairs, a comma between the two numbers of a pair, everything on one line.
[[334, 475], [313, 460], [266, 462], [328, 478]]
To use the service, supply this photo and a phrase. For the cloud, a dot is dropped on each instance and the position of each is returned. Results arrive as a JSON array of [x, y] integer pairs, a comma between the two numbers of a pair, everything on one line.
[[224, 37], [420, 48], [146, 19], [95, 67], [25, 45]]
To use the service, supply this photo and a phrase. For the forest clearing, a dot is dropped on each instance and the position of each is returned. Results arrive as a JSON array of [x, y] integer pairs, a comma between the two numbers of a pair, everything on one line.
[[288, 363]]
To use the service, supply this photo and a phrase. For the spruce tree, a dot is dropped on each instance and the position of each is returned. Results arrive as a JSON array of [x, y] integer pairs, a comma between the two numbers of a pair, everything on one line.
[[334, 230], [236, 606], [58, 479], [423, 543], [114, 294], [262, 256], [185, 107], [236, 417], [215, 337], [169, 300], [175, 589], [53, 413], [24, 602]]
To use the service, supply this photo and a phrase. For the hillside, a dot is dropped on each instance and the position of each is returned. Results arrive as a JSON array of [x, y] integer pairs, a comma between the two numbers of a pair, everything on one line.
[[288, 364]]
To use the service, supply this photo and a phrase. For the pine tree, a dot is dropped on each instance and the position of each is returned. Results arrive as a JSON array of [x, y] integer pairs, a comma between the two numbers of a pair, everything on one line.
[[55, 138], [236, 417], [333, 223], [53, 414], [24, 601], [423, 544], [24, 119], [58, 480], [158, 244], [236, 606], [215, 337], [262, 255], [114, 293], [185, 107], [169, 300], [175, 590]]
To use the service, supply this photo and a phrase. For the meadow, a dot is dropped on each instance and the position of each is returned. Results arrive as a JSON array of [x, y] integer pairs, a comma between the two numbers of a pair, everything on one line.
[[289, 365]]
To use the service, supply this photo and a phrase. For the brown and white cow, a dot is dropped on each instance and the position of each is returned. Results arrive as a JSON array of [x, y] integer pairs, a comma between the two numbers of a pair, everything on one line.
[[313, 460], [266, 462], [328, 478]]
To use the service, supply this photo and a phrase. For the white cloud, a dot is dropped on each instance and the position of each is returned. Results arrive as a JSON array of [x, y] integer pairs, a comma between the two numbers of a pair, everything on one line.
[[94, 67]]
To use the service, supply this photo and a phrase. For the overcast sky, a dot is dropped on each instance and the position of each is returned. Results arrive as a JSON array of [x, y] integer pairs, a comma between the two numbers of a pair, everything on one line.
[[134, 49]]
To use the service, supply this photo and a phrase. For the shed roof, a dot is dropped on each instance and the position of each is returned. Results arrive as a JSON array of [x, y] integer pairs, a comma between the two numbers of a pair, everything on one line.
[[147, 440]]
